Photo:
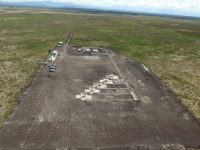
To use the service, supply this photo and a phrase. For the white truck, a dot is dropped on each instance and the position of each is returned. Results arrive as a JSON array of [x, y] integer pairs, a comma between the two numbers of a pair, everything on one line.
[[52, 56], [59, 44]]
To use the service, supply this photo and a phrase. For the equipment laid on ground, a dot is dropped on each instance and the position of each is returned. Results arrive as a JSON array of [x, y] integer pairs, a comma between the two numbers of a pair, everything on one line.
[[52, 68], [92, 51]]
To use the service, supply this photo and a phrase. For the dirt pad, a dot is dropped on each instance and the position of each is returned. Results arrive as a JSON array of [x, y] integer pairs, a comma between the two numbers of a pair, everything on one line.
[[50, 116]]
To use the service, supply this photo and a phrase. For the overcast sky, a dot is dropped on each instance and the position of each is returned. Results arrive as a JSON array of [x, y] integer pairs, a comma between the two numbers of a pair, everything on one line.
[[180, 7]]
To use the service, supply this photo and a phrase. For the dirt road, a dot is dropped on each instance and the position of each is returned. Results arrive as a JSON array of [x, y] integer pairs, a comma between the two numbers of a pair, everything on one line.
[[88, 103]]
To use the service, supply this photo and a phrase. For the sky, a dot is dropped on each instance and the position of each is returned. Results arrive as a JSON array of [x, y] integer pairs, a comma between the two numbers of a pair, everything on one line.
[[178, 7]]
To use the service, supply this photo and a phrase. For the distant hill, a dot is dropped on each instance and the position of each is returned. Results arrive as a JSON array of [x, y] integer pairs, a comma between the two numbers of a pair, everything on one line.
[[82, 8], [43, 4]]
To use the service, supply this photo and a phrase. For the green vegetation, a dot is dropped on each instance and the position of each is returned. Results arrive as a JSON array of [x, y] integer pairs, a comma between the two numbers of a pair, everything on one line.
[[170, 47]]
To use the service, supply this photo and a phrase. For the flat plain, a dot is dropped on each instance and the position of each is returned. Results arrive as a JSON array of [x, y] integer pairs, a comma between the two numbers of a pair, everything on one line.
[[98, 101], [170, 47]]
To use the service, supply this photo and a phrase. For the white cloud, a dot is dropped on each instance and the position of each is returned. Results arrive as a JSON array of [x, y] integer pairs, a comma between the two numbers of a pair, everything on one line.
[[192, 4], [180, 6], [183, 5]]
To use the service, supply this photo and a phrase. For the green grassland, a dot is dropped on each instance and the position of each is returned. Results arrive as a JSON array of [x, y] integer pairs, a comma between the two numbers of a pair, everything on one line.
[[169, 47]]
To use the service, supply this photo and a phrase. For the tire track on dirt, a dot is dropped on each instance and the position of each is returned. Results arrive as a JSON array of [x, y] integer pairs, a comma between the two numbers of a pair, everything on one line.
[[36, 109]]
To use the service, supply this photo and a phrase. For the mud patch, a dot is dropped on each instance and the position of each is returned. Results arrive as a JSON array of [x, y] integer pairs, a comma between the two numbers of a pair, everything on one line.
[[146, 100]]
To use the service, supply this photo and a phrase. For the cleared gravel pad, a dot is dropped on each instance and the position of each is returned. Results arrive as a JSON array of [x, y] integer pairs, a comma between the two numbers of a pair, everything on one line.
[[51, 117]]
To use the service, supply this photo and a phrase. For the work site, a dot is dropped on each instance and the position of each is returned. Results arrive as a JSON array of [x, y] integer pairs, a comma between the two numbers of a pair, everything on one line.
[[97, 99]]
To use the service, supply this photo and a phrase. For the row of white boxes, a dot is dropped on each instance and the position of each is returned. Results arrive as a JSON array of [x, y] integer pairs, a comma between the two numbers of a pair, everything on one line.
[[95, 88]]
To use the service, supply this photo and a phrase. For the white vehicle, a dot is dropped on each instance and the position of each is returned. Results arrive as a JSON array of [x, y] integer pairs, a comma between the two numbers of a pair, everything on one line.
[[52, 56], [60, 42], [88, 50], [95, 50]]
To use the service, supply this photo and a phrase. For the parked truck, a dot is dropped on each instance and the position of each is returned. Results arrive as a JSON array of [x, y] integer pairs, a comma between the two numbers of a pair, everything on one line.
[[52, 56]]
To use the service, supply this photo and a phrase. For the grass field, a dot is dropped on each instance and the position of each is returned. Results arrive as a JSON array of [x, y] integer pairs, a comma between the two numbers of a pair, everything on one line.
[[169, 47]]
